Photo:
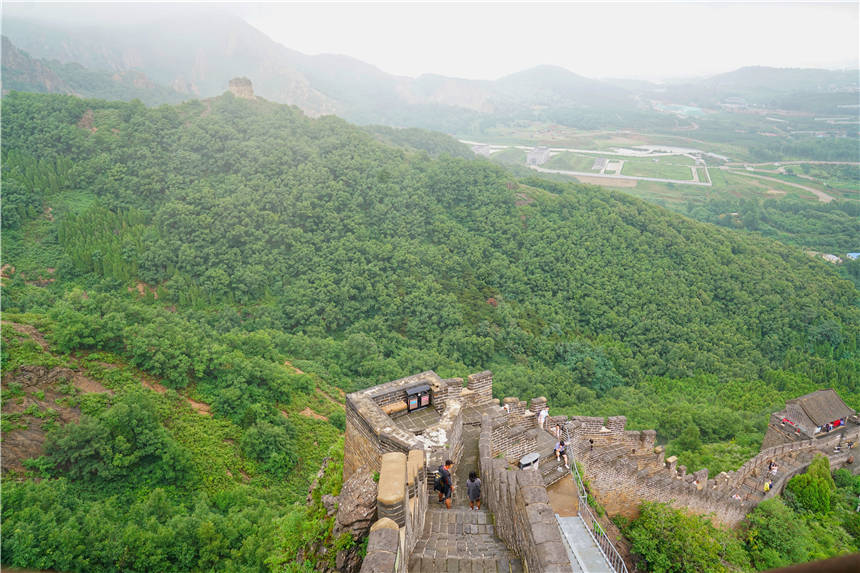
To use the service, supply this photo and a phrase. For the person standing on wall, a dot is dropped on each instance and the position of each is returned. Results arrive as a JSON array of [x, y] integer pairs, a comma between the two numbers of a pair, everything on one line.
[[542, 416], [447, 484], [473, 488]]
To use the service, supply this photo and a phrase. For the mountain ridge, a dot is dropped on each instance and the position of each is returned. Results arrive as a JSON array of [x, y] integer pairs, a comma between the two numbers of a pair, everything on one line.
[[198, 56]]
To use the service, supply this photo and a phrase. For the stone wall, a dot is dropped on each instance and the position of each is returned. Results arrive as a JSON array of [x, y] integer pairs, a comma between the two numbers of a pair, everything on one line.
[[370, 430], [444, 440], [624, 469], [524, 519], [481, 384], [401, 507], [242, 88], [369, 434], [515, 432]]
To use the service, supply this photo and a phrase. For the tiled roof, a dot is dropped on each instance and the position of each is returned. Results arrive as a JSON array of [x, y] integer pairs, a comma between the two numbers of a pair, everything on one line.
[[819, 407]]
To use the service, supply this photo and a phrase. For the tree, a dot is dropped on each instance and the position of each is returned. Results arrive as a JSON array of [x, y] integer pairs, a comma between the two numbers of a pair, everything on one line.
[[124, 445], [775, 536], [689, 439], [813, 490], [671, 541]]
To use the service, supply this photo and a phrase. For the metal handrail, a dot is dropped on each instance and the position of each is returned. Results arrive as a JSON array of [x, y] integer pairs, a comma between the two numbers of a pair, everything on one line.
[[604, 544]]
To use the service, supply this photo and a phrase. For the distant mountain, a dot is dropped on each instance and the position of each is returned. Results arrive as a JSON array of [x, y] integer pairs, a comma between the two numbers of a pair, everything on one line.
[[553, 85], [810, 90], [783, 79], [20, 72], [197, 56], [193, 55]]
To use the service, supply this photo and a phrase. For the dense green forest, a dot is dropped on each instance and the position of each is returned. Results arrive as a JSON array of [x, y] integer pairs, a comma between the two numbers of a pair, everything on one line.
[[206, 244]]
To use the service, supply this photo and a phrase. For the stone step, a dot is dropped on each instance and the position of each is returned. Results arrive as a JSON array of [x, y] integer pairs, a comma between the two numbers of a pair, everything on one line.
[[436, 513], [453, 542], [551, 465], [421, 564]]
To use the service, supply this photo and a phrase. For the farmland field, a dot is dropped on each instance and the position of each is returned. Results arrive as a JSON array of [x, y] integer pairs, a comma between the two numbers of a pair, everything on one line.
[[660, 167], [510, 156], [571, 162]]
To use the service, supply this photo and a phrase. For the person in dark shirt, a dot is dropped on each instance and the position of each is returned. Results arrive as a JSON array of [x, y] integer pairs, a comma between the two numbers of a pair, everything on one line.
[[446, 483], [561, 452], [473, 488]]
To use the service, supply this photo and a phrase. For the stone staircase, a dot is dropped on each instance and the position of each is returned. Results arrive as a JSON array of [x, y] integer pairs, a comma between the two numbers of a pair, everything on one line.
[[551, 470], [752, 487], [460, 540]]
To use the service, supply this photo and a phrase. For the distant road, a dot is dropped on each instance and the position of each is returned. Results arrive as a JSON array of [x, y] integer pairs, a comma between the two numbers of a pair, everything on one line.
[[629, 153], [822, 196], [738, 164], [584, 174]]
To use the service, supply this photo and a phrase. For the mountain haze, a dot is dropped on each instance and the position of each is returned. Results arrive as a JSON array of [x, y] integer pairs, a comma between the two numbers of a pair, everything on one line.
[[196, 56], [190, 289]]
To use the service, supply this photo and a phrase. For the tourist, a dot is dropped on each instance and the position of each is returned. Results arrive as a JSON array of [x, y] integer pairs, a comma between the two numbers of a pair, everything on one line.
[[561, 452], [446, 484], [473, 488], [542, 416], [507, 408], [558, 431]]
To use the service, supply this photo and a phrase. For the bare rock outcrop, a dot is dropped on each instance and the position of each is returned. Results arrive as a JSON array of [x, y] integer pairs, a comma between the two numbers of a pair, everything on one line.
[[355, 513]]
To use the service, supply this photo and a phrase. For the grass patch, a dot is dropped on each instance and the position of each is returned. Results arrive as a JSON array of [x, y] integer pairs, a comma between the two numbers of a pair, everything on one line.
[[510, 156], [571, 162], [658, 167]]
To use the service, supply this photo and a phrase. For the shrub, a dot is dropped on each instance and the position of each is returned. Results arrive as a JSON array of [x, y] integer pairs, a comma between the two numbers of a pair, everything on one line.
[[813, 489]]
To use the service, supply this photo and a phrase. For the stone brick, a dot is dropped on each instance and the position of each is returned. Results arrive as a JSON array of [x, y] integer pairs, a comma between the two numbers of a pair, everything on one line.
[[534, 494], [379, 562], [554, 552], [383, 539]]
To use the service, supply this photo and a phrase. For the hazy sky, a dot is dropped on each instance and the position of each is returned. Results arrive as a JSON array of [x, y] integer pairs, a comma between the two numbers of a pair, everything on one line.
[[486, 40]]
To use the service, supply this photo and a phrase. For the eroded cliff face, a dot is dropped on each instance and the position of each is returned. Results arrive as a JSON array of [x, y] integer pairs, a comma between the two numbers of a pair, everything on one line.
[[21, 72]]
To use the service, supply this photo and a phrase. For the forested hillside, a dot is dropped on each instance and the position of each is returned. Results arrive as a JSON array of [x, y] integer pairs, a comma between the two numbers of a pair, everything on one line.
[[206, 244]]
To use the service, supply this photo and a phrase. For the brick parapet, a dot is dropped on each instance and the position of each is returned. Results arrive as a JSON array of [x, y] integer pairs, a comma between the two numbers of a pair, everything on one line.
[[402, 507], [444, 440], [370, 432], [625, 468], [385, 549], [481, 383], [537, 404], [523, 517]]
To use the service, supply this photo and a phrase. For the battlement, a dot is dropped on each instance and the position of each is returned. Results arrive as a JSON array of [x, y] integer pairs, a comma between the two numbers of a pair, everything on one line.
[[392, 432], [380, 420], [242, 88]]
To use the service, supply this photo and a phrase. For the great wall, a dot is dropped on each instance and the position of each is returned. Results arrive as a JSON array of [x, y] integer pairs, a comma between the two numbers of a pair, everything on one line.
[[404, 429]]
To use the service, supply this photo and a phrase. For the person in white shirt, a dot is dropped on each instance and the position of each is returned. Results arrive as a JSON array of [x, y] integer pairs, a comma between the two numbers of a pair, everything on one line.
[[542, 416]]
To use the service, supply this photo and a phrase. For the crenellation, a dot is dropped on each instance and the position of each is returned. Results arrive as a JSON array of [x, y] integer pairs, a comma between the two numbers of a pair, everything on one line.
[[537, 404], [481, 383], [616, 424], [624, 467]]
